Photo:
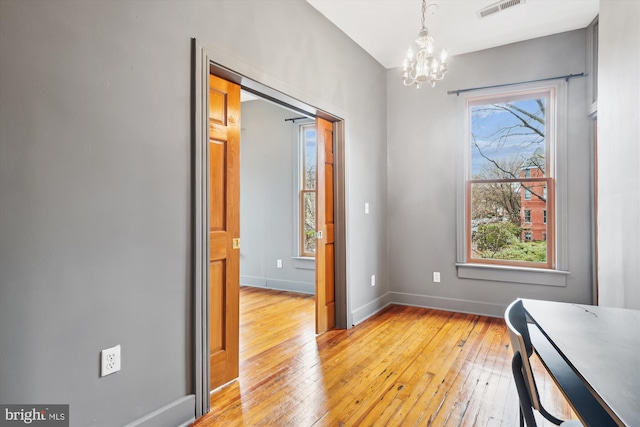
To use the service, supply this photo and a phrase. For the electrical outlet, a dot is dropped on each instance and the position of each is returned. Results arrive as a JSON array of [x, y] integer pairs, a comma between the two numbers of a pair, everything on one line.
[[279, 263], [436, 276], [110, 361], [373, 280]]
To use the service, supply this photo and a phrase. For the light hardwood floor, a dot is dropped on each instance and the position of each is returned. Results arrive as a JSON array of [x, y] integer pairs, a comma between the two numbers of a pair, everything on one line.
[[405, 366]]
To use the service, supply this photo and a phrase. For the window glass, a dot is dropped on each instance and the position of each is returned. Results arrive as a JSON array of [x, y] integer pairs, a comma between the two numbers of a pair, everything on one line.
[[507, 191], [309, 157], [508, 138], [307, 140]]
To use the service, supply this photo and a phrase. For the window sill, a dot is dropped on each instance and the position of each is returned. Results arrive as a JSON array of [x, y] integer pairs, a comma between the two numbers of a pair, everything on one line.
[[304, 263], [530, 276]]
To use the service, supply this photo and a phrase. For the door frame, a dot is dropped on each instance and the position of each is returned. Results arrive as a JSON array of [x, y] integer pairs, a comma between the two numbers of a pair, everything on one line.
[[206, 61]]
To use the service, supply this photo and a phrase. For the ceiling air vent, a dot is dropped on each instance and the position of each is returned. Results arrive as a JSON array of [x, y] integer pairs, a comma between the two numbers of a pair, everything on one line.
[[498, 7]]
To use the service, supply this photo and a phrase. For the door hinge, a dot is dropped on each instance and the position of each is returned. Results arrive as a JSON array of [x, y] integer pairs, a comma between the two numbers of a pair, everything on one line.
[[235, 243]]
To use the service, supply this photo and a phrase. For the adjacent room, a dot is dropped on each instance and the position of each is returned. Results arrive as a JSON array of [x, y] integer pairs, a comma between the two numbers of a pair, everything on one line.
[[422, 236]]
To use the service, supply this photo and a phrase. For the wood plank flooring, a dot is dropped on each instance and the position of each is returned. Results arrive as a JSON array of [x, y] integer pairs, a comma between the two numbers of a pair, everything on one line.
[[405, 366]]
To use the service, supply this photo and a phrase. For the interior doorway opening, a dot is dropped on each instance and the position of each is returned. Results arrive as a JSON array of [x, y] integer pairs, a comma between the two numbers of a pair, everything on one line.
[[275, 185], [273, 266], [205, 67]]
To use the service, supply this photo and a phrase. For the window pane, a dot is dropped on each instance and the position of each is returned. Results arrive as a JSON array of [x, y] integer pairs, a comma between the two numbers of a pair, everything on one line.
[[505, 225], [309, 160], [309, 223], [508, 139]]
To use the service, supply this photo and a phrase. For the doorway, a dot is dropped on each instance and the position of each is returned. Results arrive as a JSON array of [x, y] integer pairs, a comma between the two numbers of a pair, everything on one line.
[[275, 184], [332, 231], [277, 257]]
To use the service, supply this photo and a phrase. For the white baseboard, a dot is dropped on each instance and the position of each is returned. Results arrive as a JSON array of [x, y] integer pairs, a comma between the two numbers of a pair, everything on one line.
[[449, 304], [280, 285], [177, 413], [363, 313]]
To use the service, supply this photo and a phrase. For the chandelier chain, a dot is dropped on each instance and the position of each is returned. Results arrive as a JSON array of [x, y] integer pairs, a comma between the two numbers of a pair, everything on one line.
[[424, 11]]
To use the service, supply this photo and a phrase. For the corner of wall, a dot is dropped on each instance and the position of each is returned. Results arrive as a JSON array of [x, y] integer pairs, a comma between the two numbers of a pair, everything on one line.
[[361, 314]]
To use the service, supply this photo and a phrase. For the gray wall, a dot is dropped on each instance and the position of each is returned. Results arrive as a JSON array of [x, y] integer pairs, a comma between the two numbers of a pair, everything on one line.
[[619, 154], [268, 192], [423, 139], [95, 181], [95, 169]]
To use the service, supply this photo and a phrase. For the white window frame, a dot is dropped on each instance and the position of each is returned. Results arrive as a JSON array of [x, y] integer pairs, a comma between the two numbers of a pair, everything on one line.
[[556, 167]]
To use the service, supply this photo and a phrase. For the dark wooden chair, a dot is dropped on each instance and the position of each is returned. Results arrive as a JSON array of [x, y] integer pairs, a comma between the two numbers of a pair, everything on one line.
[[522, 372]]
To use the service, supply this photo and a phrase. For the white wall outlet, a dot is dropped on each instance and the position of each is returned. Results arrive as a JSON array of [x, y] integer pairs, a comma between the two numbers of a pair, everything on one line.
[[279, 263], [436, 276], [366, 208], [373, 280], [110, 361]]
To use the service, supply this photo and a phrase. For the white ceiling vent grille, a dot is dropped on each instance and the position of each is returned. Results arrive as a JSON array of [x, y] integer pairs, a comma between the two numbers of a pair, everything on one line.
[[498, 7]]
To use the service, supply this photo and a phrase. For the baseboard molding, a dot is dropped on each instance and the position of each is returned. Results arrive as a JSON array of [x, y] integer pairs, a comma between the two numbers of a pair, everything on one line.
[[280, 285], [363, 313], [449, 304], [177, 413]]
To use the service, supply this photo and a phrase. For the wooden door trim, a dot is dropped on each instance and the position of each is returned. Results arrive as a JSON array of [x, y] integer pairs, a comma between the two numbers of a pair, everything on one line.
[[595, 291], [343, 317], [207, 61]]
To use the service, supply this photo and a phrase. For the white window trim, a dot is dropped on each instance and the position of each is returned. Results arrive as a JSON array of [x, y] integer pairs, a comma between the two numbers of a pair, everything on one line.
[[558, 116]]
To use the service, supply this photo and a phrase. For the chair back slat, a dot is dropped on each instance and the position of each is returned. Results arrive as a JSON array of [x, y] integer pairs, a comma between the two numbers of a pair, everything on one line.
[[516, 321]]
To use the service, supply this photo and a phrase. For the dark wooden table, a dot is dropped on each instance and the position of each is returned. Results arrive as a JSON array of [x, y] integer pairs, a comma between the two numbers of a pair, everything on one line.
[[602, 345]]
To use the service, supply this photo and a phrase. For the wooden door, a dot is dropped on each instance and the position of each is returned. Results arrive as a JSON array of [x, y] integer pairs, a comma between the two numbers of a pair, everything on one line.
[[224, 230], [596, 291], [325, 292]]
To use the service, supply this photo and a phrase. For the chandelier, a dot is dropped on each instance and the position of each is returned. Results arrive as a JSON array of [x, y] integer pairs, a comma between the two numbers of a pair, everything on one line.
[[420, 66]]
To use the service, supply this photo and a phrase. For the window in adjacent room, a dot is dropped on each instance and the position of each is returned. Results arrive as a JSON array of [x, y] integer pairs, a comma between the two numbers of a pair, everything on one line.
[[307, 189], [509, 218]]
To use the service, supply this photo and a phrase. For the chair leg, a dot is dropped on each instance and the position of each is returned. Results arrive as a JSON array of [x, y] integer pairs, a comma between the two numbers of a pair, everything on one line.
[[549, 417], [526, 410], [521, 418]]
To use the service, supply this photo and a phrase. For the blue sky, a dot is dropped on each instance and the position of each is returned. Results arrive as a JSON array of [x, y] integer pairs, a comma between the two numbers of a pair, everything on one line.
[[489, 123], [310, 155], [310, 147]]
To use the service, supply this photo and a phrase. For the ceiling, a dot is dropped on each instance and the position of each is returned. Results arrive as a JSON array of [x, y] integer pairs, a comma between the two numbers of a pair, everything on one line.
[[386, 28]]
